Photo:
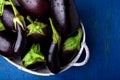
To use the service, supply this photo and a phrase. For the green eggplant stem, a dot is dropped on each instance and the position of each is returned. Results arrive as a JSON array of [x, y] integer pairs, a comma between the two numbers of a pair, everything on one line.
[[56, 37], [1, 26], [33, 56], [73, 42], [29, 19], [18, 18], [35, 27], [14, 9], [2, 3]]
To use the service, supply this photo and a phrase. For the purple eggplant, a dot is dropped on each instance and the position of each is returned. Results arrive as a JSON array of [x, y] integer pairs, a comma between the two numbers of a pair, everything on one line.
[[53, 62], [7, 17], [74, 19], [21, 40], [34, 58], [59, 16], [38, 31], [7, 39], [70, 47], [65, 16], [35, 8]]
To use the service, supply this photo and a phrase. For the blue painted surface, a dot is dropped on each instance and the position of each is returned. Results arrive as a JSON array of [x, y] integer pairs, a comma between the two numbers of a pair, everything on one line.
[[102, 23]]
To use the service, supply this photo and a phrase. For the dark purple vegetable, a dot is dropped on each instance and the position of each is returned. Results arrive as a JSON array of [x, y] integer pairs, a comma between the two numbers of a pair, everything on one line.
[[53, 56], [21, 41], [20, 28], [59, 16], [7, 17], [65, 16], [71, 47], [7, 40], [35, 8], [38, 31], [74, 20], [34, 58]]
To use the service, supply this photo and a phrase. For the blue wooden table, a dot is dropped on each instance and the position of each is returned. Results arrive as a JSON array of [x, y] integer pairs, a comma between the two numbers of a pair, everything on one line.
[[101, 19]]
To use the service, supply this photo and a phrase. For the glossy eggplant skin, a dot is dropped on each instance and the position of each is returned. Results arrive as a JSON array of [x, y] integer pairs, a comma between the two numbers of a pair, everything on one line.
[[35, 8], [59, 16], [65, 16], [74, 19], [7, 17], [7, 39], [68, 56], [53, 61], [21, 40], [70, 47]]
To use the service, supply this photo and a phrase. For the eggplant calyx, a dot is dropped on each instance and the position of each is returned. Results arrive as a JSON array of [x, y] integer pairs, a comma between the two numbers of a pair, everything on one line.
[[2, 3], [73, 42], [33, 56], [18, 18], [36, 27], [55, 36], [1, 26]]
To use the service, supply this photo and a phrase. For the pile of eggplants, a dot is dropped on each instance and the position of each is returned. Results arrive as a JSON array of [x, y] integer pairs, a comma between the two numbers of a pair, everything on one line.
[[40, 32]]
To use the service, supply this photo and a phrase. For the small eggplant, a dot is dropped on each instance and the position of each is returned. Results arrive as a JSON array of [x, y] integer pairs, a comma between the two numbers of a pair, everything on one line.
[[35, 8], [7, 17], [38, 31], [7, 39], [19, 27], [70, 48], [59, 16], [74, 20], [34, 58], [21, 41], [65, 16], [53, 62]]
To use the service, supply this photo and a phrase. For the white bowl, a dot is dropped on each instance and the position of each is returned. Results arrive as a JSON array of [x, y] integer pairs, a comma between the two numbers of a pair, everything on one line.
[[44, 71]]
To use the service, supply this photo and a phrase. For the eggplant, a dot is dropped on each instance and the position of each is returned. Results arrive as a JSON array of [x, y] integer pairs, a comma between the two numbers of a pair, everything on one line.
[[34, 58], [7, 17], [53, 62], [7, 39], [21, 41], [35, 8], [70, 48], [74, 19], [65, 16], [59, 16], [38, 31]]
